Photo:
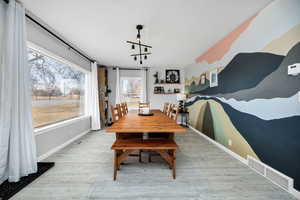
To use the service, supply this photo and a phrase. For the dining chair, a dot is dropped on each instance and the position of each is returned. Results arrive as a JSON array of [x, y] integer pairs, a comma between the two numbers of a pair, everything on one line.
[[116, 115], [174, 113], [123, 109], [170, 110], [115, 112], [126, 107], [165, 110], [144, 105]]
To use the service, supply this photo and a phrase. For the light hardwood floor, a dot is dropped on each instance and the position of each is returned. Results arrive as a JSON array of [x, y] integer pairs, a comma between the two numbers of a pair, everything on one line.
[[83, 170]]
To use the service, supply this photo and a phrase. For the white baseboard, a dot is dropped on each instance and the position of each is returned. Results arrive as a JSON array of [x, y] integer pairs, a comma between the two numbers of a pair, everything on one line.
[[294, 192], [233, 154], [60, 147]]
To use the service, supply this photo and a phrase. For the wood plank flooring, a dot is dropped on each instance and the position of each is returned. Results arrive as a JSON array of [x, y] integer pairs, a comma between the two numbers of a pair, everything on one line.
[[84, 171]]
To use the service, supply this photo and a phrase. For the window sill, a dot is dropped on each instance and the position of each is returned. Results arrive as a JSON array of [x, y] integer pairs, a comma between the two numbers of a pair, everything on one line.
[[45, 129]]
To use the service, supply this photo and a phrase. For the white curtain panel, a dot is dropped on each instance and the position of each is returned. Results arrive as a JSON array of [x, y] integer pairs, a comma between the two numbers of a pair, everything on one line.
[[18, 149], [118, 85], [144, 85], [2, 19], [94, 104]]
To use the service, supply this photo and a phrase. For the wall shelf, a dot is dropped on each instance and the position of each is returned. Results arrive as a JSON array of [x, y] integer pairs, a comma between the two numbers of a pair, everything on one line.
[[167, 93], [167, 83]]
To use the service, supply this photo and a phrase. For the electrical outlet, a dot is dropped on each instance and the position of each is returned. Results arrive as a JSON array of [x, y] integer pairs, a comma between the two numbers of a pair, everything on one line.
[[230, 142]]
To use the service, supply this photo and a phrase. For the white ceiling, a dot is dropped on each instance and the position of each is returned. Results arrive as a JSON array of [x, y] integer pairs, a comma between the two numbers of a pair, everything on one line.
[[178, 30]]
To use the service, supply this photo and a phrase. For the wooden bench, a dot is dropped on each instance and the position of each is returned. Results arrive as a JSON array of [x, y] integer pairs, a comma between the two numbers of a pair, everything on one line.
[[165, 147]]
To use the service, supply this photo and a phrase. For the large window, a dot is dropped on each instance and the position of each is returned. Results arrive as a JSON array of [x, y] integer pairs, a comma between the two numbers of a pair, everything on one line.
[[131, 91], [57, 89]]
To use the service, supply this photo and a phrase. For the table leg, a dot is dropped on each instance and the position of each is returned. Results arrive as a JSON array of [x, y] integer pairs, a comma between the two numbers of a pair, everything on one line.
[[115, 165], [171, 136], [149, 156], [170, 159], [118, 158], [174, 164], [140, 156], [119, 152], [122, 156]]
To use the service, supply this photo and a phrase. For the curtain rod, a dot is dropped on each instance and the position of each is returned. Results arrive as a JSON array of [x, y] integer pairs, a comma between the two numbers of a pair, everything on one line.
[[137, 69], [56, 36]]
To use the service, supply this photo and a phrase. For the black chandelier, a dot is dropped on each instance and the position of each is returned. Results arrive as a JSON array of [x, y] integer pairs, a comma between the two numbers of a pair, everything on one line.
[[143, 48]]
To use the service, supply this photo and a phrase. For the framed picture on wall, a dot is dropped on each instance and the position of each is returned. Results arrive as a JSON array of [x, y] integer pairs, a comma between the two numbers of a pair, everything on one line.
[[202, 79], [172, 76], [213, 78]]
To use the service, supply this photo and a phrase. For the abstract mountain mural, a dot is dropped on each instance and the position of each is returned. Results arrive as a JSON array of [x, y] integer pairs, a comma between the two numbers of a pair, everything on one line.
[[211, 119], [255, 108], [251, 76], [276, 84], [281, 135], [282, 45], [245, 71]]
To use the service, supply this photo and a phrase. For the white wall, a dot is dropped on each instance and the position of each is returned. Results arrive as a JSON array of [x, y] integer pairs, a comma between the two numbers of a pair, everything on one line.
[[51, 139], [157, 100]]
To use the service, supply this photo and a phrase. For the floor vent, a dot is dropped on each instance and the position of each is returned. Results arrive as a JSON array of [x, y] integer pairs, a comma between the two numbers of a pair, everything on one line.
[[276, 177], [256, 165], [285, 182]]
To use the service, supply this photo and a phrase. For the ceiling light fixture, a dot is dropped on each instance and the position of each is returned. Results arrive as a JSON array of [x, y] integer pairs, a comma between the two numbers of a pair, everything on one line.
[[138, 37], [140, 45]]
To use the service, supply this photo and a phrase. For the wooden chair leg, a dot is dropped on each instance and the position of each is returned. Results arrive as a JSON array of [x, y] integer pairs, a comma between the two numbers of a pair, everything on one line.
[[115, 164], [140, 156], [174, 164]]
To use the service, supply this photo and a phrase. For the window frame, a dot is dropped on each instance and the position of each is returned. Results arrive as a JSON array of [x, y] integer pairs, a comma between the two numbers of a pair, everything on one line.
[[86, 115]]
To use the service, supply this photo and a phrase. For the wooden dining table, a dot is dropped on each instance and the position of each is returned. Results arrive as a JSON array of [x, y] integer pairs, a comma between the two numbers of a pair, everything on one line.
[[134, 123]]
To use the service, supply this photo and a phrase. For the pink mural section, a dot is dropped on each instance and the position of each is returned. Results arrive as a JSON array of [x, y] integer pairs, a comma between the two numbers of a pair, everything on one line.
[[222, 47]]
